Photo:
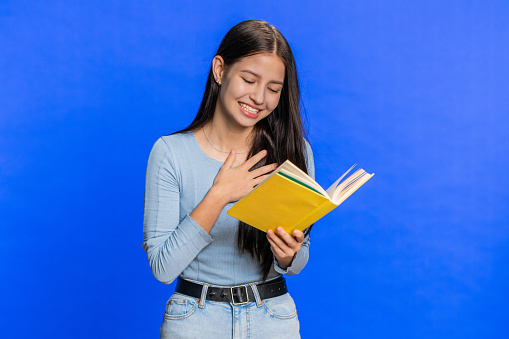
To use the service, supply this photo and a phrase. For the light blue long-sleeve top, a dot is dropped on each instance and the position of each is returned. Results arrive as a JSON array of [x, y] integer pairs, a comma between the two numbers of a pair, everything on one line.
[[179, 175]]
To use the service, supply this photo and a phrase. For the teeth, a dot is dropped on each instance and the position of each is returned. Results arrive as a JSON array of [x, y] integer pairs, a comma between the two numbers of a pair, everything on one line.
[[249, 108]]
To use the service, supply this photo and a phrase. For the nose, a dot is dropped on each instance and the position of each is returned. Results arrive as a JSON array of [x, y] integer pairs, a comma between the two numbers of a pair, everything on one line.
[[258, 95]]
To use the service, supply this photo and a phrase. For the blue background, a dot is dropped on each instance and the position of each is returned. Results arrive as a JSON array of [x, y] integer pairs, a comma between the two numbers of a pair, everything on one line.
[[415, 91]]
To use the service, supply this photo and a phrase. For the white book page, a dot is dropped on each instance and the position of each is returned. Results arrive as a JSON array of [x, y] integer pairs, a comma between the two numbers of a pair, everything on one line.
[[344, 194], [332, 188], [297, 173], [351, 180]]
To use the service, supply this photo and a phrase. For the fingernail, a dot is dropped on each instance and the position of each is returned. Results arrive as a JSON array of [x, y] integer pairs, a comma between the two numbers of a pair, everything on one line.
[[280, 229], [264, 152]]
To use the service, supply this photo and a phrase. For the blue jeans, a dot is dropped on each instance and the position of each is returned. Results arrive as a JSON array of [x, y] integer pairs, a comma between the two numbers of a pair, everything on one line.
[[188, 317]]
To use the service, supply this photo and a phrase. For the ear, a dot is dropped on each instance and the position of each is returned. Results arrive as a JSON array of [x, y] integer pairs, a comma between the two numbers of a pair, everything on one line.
[[218, 67]]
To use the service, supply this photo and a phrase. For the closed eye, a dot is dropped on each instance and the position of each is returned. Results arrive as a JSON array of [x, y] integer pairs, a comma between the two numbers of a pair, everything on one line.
[[249, 82], [273, 90]]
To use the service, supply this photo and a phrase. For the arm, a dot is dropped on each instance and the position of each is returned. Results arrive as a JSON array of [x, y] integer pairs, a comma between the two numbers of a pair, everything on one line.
[[171, 244], [291, 254]]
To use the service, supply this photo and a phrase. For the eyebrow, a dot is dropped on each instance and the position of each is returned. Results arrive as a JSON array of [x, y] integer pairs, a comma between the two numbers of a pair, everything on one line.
[[256, 75]]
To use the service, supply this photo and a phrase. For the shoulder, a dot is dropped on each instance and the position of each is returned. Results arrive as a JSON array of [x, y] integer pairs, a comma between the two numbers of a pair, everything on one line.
[[308, 154], [307, 147], [168, 150], [176, 140], [172, 143]]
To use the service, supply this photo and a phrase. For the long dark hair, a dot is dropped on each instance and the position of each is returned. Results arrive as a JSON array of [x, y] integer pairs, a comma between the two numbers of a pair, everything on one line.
[[280, 133]]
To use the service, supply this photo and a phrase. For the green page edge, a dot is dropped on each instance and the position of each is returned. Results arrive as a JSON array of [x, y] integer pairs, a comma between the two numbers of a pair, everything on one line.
[[299, 182]]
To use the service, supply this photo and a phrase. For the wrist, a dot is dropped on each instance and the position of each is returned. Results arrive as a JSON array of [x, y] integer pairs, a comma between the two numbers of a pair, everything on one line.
[[215, 195], [284, 263]]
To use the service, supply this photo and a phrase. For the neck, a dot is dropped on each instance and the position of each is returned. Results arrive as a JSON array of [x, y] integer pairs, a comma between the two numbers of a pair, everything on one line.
[[226, 137]]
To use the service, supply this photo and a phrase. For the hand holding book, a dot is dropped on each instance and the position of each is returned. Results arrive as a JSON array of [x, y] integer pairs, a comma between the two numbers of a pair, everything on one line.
[[284, 246]]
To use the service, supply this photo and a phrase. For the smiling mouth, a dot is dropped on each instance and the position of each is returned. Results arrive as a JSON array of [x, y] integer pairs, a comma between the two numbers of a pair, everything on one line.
[[250, 111]]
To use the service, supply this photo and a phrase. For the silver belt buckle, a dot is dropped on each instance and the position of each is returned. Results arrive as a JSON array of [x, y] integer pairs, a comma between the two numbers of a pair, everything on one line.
[[233, 298]]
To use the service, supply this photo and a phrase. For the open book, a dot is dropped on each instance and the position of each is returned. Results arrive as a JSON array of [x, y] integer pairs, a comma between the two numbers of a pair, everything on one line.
[[290, 198]]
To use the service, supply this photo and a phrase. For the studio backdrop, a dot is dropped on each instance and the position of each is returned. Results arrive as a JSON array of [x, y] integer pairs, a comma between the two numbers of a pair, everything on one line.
[[415, 91]]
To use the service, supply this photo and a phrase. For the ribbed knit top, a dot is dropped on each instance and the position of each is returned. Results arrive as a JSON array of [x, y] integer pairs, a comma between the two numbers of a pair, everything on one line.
[[179, 175]]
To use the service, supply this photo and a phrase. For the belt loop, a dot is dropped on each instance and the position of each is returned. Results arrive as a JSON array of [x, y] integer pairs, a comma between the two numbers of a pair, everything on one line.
[[203, 295], [258, 300]]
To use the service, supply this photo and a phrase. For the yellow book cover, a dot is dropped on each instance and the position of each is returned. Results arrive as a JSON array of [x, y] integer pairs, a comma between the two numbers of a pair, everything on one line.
[[290, 198]]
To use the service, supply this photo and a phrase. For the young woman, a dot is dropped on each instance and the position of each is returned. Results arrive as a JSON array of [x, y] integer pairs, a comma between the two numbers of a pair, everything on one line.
[[230, 281]]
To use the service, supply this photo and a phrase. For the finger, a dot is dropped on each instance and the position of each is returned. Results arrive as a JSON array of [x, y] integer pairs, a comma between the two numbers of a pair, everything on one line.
[[259, 179], [279, 243], [262, 170], [228, 163], [287, 238], [278, 252], [299, 236], [254, 159]]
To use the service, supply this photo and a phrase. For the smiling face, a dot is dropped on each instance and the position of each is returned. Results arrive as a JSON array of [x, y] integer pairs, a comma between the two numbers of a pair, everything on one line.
[[250, 88]]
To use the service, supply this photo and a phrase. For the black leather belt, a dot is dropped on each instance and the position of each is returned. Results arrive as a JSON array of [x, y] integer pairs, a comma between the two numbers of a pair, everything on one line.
[[237, 295]]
